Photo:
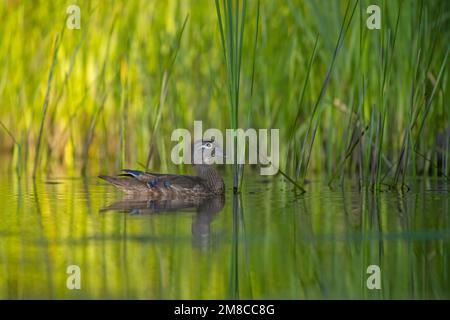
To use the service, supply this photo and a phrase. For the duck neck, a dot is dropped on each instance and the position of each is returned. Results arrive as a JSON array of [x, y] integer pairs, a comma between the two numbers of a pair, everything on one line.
[[213, 180]]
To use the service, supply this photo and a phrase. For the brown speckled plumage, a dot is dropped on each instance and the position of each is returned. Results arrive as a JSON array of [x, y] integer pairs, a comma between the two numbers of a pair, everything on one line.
[[168, 186]]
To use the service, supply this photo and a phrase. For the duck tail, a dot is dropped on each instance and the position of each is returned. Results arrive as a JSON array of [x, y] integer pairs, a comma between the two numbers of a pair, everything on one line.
[[120, 183], [126, 184]]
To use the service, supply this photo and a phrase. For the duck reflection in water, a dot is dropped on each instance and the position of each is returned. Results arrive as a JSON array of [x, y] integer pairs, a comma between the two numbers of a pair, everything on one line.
[[206, 208], [152, 193]]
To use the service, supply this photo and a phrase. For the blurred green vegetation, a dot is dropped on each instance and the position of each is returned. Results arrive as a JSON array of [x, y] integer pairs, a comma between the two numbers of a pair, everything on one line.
[[132, 74]]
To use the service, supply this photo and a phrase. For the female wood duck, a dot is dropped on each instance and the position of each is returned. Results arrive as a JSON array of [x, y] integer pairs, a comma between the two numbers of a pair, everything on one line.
[[156, 185]]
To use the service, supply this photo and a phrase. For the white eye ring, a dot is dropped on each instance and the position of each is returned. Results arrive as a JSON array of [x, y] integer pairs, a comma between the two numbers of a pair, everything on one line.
[[208, 145]]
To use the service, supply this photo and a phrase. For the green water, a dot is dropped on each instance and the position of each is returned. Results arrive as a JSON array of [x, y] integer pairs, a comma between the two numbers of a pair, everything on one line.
[[266, 243]]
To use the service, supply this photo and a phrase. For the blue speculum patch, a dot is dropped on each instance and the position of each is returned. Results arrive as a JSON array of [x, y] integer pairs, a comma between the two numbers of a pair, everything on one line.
[[152, 184]]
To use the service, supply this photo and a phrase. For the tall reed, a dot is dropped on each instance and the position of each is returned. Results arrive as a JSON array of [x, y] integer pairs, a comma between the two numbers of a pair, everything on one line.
[[46, 103], [231, 26]]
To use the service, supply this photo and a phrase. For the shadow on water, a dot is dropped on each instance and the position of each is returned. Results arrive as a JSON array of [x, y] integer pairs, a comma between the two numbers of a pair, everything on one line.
[[266, 242]]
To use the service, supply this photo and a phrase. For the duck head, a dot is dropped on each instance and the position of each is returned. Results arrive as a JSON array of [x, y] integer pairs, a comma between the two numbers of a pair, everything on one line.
[[207, 152]]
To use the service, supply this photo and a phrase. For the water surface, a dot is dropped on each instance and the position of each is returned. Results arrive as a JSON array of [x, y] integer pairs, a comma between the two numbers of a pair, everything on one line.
[[266, 243]]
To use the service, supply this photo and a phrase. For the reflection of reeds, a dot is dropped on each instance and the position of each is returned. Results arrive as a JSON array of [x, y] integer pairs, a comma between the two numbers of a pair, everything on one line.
[[233, 292], [289, 247]]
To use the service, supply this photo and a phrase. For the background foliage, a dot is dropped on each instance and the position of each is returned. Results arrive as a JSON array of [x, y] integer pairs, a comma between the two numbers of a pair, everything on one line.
[[136, 70]]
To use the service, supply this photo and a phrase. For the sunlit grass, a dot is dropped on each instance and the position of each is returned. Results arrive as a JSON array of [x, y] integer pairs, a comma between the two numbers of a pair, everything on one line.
[[348, 100]]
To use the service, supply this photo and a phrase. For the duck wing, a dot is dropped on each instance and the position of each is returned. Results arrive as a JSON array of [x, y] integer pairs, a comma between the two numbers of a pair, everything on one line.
[[135, 181], [164, 179]]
